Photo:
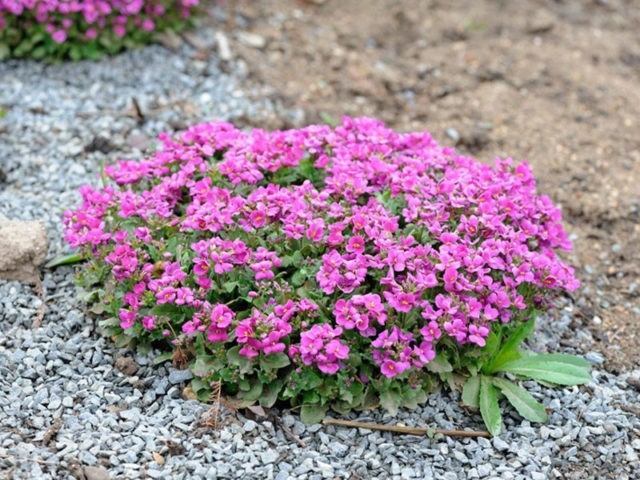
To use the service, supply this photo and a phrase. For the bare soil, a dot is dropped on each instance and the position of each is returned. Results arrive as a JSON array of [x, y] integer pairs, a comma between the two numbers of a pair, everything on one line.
[[555, 83]]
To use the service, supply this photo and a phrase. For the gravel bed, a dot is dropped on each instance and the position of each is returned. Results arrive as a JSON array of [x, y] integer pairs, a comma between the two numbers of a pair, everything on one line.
[[72, 406]]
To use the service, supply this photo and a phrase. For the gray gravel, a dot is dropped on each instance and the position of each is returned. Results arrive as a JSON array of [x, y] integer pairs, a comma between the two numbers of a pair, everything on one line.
[[67, 412]]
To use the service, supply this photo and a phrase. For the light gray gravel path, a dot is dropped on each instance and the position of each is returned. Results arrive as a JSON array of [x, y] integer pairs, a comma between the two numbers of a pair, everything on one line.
[[67, 412]]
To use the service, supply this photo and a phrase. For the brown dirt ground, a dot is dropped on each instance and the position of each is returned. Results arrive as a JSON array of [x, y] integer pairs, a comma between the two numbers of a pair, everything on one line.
[[554, 82]]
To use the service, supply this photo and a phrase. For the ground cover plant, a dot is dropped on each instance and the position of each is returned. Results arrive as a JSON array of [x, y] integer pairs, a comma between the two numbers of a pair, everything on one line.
[[58, 29], [328, 268]]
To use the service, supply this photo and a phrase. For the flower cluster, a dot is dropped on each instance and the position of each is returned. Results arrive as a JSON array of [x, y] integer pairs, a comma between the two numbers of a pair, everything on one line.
[[81, 29], [320, 346], [352, 253]]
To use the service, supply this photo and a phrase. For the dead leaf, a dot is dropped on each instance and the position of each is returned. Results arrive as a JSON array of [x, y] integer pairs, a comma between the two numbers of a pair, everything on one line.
[[51, 432], [257, 410]]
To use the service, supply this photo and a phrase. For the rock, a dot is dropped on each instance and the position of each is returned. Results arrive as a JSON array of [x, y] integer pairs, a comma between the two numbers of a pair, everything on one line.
[[500, 444], [453, 134], [126, 365], [484, 470], [179, 376], [338, 449], [223, 46], [23, 247], [141, 142], [170, 40], [132, 415], [594, 357], [270, 456], [252, 40], [541, 21], [249, 426], [96, 473]]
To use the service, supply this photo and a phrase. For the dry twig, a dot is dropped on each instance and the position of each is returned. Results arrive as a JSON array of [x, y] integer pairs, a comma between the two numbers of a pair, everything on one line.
[[406, 430], [287, 431]]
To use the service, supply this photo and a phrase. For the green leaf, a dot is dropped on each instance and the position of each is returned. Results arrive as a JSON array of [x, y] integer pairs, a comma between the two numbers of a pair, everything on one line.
[[493, 343], [274, 361], [294, 259], [439, 365], [489, 408], [162, 358], [554, 368], [391, 401], [298, 278], [411, 397], [204, 365], [523, 402], [471, 392], [253, 393], [241, 361], [509, 350], [310, 414], [329, 119], [229, 286], [270, 393], [65, 260]]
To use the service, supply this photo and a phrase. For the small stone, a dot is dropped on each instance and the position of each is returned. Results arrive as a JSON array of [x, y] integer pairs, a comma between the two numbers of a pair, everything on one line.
[[252, 40], [270, 456], [594, 358], [96, 473], [141, 142], [485, 469], [299, 428], [541, 21], [572, 452], [338, 449], [288, 420], [460, 456], [88, 458], [54, 402], [538, 476], [179, 376], [407, 472], [453, 134], [500, 444], [249, 426], [126, 365], [132, 415]]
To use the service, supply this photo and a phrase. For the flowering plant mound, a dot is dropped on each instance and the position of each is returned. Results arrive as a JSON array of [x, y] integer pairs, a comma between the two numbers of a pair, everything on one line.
[[329, 268], [56, 29]]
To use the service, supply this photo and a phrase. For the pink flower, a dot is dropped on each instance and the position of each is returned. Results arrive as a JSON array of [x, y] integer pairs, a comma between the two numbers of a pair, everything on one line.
[[59, 36], [149, 322], [355, 245], [315, 231], [263, 270], [127, 318]]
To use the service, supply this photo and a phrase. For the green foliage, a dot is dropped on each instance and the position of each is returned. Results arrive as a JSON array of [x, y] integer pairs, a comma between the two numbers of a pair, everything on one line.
[[489, 408], [24, 37], [481, 389]]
